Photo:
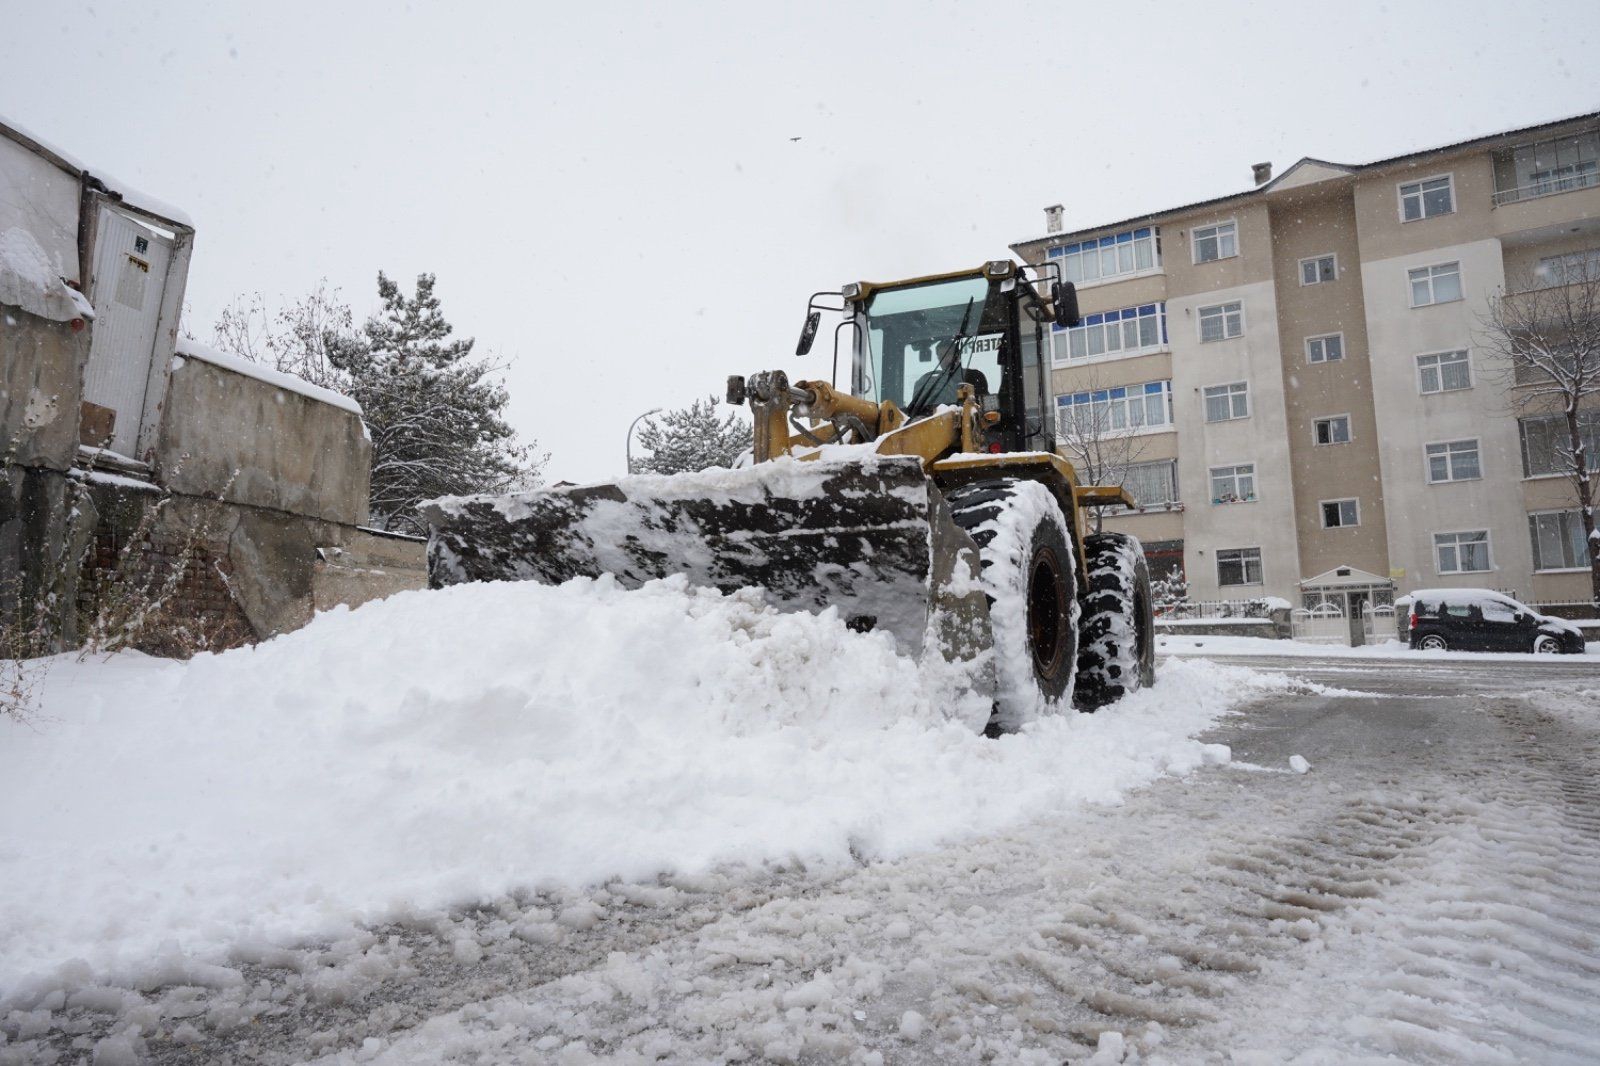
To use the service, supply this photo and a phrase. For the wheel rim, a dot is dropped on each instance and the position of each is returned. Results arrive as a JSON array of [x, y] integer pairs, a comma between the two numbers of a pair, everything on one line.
[[1047, 620], [1433, 644], [1546, 646]]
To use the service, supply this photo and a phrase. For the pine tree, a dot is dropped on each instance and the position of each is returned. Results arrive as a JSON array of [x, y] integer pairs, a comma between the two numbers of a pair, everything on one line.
[[1170, 591], [434, 412], [692, 438]]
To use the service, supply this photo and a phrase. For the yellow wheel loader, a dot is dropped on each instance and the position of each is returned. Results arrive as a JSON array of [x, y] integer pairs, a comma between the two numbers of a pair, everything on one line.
[[926, 502]]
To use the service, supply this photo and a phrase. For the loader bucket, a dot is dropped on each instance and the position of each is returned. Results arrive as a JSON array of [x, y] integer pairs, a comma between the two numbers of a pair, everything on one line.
[[872, 538]]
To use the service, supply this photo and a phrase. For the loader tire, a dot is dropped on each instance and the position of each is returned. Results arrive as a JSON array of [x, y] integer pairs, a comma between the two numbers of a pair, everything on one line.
[[1116, 651], [1028, 577]]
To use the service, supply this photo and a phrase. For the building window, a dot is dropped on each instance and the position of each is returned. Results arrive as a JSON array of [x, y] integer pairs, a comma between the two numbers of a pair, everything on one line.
[[1221, 321], [1227, 402], [1558, 541], [1547, 447], [1152, 485], [1337, 514], [1239, 566], [1129, 331], [1453, 460], [1444, 372], [1427, 198], [1233, 484], [1462, 553], [1328, 348], [1435, 284], [1126, 409], [1335, 429], [1215, 242], [1319, 269], [1115, 256], [1569, 269]]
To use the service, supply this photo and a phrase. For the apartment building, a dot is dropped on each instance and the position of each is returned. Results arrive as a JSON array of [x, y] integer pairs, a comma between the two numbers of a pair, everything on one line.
[[1297, 372]]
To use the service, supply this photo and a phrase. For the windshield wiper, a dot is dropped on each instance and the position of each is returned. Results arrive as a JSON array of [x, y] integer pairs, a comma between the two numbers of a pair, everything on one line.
[[941, 373]]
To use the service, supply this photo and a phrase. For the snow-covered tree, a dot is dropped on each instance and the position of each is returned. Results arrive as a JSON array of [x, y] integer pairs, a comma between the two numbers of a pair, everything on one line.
[[293, 339], [692, 438], [1170, 590], [1542, 337], [435, 413]]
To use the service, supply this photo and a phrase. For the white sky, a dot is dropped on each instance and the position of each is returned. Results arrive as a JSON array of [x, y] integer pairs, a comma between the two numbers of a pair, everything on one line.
[[610, 197]]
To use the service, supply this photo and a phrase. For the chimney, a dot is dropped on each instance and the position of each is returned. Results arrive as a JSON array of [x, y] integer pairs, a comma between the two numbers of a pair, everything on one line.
[[1052, 218], [1263, 172]]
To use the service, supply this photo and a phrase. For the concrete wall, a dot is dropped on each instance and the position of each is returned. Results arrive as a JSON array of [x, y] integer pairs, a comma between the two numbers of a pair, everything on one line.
[[1305, 227], [41, 386], [280, 544], [1267, 523], [1410, 420], [221, 575], [251, 442]]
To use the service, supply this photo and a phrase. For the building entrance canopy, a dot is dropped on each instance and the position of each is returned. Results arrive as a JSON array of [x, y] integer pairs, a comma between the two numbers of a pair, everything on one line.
[[1347, 588]]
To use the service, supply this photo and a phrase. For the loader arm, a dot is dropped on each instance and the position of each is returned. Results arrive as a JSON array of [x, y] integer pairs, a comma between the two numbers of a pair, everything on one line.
[[776, 404]]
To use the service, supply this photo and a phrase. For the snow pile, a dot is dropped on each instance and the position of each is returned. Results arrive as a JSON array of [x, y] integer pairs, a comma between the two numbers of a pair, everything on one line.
[[439, 748], [28, 281]]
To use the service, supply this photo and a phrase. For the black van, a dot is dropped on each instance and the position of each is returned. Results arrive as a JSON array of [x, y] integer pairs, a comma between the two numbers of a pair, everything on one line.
[[1480, 620]]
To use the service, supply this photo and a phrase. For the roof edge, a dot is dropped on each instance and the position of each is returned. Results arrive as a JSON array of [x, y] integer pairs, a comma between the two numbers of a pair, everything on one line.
[[1349, 168]]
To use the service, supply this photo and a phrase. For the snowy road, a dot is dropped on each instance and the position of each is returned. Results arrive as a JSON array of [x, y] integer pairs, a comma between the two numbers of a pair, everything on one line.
[[1426, 891]]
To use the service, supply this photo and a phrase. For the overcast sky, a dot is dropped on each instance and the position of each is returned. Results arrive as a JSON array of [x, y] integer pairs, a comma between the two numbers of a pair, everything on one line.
[[611, 195]]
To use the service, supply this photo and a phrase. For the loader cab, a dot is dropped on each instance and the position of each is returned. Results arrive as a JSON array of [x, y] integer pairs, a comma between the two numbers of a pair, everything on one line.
[[917, 341]]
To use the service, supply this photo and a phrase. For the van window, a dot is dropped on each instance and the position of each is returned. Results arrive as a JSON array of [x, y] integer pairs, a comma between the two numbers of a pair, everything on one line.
[[1499, 611], [1456, 610]]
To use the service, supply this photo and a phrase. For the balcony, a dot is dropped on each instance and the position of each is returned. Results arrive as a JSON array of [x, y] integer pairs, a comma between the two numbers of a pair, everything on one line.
[[1547, 168], [1585, 179]]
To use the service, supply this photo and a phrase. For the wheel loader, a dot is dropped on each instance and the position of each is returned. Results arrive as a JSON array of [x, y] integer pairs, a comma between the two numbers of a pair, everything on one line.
[[925, 501]]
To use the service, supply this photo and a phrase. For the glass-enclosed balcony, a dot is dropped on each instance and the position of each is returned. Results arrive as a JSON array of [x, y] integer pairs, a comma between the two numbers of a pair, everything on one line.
[[1546, 168]]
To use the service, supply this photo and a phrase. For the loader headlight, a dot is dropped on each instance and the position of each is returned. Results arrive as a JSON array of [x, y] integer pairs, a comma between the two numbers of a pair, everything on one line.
[[999, 268], [851, 291]]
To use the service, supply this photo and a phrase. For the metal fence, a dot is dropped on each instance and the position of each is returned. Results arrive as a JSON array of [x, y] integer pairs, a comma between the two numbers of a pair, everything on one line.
[[1322, 624], [1205, 610]]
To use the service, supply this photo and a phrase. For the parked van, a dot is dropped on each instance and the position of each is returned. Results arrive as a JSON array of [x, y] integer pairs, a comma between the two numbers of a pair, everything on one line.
[[1481, 620]]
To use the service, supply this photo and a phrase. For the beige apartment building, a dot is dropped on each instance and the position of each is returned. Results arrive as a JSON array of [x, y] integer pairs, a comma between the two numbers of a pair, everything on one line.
[[1298, 376]]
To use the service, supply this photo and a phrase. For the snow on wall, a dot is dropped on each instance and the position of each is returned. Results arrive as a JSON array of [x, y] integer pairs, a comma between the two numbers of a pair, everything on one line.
[[443, 747], [41, 198], [193, 349], [130, 196], [29, 281]]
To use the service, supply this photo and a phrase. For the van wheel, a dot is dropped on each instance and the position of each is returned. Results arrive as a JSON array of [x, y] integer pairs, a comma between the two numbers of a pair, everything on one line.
[[1027, 571], [1433, 642], [1546, 645], [1117, 648]]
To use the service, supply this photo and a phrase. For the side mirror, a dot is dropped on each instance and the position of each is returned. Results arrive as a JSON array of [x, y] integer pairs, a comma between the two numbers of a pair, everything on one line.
[[736, 390], [808, 333], [1064, 299]]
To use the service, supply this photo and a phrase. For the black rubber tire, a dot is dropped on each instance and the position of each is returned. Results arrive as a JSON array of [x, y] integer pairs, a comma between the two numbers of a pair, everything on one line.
[[1116, 644], [1029, 579], [1433, 642], [1551, 646]]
